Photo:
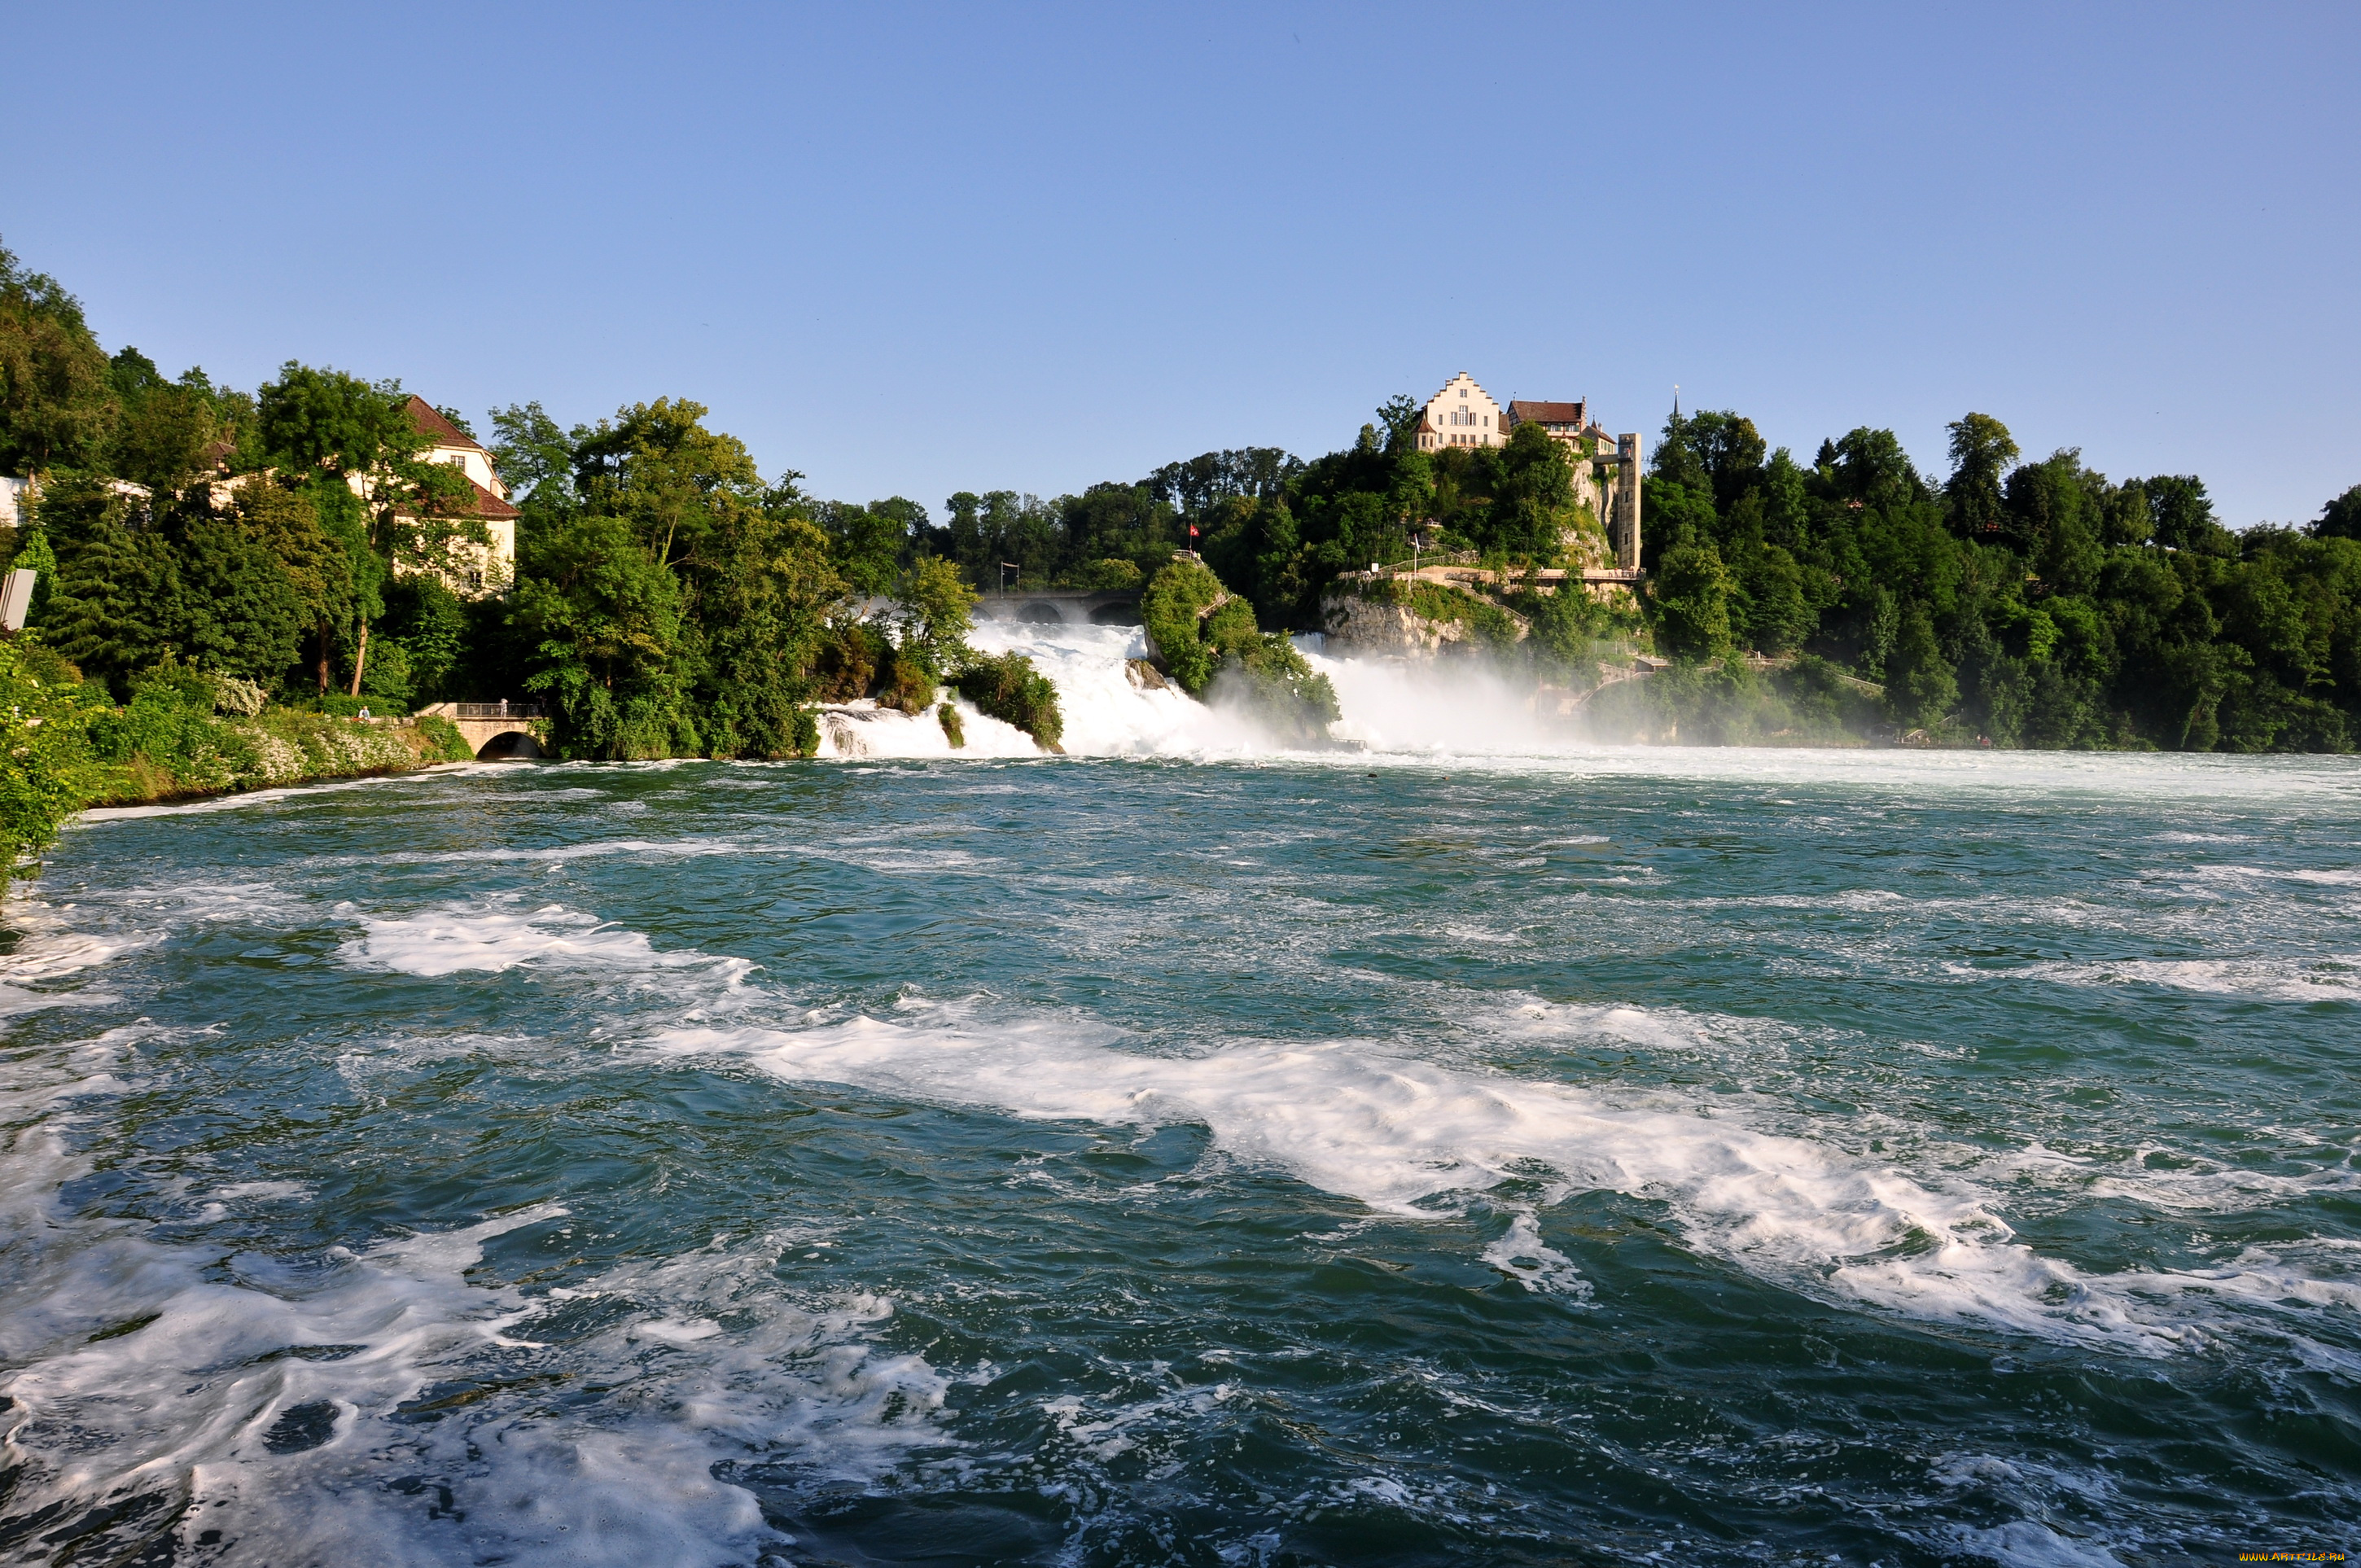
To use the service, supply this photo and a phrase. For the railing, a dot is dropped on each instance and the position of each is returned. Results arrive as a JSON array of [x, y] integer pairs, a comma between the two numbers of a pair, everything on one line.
[[501, 709]]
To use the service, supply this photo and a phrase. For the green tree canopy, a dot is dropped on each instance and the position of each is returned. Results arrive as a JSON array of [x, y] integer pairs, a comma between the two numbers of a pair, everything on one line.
[[1981, 452], [56, 399]]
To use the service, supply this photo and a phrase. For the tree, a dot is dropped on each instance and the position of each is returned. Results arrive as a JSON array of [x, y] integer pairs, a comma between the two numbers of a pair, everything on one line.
[[327, 420], [2340, 519], [605, 620], [1398, 418], [55, 402], [868, 544], [1982, 452], [2181, 516], [536, 458], [933, 612], [1532, 495], [1728, 450], [2050, 507], [238, 610], [1692, 600], [1869, 467], [1920, 686], [117, 589], [342, 433]]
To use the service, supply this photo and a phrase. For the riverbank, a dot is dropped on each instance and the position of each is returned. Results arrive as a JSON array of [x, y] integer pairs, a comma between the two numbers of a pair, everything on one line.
[[66, 745], [205, 756]]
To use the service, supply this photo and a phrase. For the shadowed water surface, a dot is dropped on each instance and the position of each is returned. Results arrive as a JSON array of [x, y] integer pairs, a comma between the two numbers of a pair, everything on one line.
[[1732, 1156]]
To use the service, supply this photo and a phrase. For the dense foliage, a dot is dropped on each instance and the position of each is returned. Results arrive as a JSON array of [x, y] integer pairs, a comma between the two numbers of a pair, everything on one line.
[[670, 599], [1207, 640], [2030, 603]]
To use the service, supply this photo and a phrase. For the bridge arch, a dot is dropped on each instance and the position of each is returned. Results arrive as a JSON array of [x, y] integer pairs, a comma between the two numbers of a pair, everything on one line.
[[497, 731]]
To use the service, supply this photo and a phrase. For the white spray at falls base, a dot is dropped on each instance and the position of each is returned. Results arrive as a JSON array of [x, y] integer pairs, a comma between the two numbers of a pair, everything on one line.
[[1389, 704]]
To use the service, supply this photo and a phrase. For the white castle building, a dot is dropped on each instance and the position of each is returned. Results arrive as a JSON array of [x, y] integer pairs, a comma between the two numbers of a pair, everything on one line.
[[1606, 467]]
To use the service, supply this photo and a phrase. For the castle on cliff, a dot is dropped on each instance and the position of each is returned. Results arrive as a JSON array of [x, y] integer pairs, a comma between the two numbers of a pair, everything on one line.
[[1606, 467]]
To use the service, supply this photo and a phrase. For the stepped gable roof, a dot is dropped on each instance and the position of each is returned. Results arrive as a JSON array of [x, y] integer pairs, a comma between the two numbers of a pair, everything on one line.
[[431, 423], [1546, 413], [1454, 381]]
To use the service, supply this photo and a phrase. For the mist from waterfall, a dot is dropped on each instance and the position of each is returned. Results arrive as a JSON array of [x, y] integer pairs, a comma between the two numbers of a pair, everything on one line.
[[1115, 709]]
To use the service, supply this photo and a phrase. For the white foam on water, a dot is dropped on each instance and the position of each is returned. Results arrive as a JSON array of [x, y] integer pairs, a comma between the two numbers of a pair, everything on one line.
[[2331, 978], [863, 730], [256, 1412], [497, 934], [1522, 1255], [638, 849], [1458, 713], [1399, 1135], [2027, 1544]]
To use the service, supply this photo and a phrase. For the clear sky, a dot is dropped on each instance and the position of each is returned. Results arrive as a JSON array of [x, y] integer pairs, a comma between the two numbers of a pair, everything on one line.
[[911, 250]]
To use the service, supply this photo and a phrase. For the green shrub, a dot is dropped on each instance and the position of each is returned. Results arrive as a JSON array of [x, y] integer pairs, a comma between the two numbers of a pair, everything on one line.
[[1486, 622], [44, 760], [1109, 573], [954, 728], [845, 665], [447, 745], [1009, 688], [907, 680], [1294, 700], [1173, 610], [1201, 632]]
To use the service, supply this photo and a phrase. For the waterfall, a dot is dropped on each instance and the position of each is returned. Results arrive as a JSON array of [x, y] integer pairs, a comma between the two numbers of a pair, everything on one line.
[[1402, 707]]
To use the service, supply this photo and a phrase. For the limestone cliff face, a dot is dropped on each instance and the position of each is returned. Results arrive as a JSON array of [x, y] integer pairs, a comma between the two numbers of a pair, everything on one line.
[[1372, 627]]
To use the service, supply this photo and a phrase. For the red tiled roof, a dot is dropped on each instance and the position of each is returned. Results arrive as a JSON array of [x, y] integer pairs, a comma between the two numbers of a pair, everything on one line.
[[489, 507], [1546, 413], [431, 424]]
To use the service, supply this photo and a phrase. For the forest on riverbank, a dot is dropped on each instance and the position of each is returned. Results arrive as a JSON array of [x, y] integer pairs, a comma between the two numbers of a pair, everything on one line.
[[670, 599]]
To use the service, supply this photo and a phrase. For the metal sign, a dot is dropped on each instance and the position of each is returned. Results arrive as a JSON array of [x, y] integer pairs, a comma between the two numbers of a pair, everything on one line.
[[16, 598]]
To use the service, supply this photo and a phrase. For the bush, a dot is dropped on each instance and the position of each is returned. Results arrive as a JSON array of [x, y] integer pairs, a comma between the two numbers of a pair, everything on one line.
[[43, 758], [446, 743], [1009, 688], [907, 680], [1200, 632], [1487, 622], [845, 665], [954, 728], [1108, 574], [1282, 688], [1173, 610]]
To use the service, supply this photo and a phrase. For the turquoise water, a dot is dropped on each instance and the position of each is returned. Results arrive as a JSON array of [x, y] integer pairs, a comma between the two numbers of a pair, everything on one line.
[[1694, 1156]]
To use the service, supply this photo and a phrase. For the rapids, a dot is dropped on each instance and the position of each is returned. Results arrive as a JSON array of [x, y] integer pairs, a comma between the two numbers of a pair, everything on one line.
[[1462, 1147]]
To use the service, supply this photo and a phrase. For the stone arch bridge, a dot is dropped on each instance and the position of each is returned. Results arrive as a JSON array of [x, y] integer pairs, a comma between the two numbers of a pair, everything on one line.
[[1062, 606], [498, 731]]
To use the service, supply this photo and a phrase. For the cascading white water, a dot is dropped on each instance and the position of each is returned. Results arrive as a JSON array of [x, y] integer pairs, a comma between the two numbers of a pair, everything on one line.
[[1446, 708]]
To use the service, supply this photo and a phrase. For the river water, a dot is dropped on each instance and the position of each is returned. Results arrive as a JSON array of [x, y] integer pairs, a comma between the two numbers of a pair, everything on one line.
[[1476, 1149]]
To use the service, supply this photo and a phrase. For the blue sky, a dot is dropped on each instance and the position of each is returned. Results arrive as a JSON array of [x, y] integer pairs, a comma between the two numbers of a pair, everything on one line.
[[912, 249]]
